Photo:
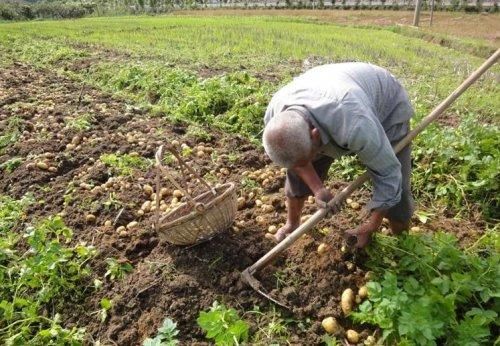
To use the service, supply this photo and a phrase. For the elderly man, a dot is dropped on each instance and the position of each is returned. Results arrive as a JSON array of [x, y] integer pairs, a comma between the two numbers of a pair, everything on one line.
[[334, 110]]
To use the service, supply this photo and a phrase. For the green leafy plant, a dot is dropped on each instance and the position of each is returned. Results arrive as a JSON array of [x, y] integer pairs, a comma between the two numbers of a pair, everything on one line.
[[329, 340], [166, 335], [223, 325], [427, 290], [106, 305], [460, 166], [125, 164], [80, 123], [11, 164], [11, 133], [199, 133], [39, 274], [117, 270]]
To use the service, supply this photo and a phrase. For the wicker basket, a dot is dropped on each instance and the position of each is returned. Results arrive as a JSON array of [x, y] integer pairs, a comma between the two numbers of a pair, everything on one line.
[[201, 217]]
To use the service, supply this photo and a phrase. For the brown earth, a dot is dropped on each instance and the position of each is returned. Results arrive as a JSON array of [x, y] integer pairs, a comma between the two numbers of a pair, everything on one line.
[[167, 280]]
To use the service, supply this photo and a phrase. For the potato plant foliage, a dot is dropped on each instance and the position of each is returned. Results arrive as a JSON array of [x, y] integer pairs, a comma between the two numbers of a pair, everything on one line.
[[428, 291], [223, 325], [39, 274]]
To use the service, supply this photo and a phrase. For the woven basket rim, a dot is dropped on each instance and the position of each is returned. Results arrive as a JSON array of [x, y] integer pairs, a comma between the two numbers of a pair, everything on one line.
[[228, 188]]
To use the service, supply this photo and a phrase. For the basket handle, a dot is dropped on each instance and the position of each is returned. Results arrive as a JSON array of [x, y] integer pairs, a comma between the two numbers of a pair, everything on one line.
[[171, 149]]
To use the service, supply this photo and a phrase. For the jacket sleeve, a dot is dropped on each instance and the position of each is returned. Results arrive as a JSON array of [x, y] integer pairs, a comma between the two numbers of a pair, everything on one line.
[[368, 140]]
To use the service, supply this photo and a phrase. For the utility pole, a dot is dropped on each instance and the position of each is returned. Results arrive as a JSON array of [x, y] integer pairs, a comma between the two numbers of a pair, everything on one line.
[[416, 17]]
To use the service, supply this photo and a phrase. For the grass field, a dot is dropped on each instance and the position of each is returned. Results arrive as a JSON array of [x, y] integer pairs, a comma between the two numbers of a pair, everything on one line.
[[84, 104]]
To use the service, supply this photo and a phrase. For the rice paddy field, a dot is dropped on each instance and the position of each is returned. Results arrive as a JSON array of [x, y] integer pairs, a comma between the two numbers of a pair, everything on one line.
[[84, 105]]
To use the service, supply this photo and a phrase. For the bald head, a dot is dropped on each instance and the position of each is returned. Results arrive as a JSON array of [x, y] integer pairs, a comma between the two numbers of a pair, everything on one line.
[[287, 138]]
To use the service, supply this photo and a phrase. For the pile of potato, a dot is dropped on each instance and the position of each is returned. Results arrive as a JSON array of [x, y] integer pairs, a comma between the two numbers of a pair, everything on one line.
[[347, 301]]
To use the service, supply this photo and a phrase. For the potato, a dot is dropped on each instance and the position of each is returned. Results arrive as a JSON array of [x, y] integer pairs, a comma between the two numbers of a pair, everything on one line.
[[370, 341], [330, 325], [90, 218], [363, 292], [266, 208], [347, 301], [355, 205], [348, 201], [146, 206], [258, 203], [260, 220], [121, 229], [304, 218], [269, 236], [42, 165], [241, 202], [148, 189], [108, 223], [272, 229], [322, 248], [352, 336], [177, 194], [132, 225], [164, 192], [415, 229]]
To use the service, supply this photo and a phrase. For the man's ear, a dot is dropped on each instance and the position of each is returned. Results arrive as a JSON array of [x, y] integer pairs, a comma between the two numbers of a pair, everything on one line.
[[315, 135]]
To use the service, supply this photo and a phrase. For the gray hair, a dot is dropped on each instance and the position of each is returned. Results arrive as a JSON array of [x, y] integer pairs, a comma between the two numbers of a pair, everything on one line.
[[287, 139]]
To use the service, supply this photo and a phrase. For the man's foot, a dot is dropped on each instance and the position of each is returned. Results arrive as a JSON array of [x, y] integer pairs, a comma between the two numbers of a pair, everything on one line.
[[397, 227], [282, 233], [358, 238]]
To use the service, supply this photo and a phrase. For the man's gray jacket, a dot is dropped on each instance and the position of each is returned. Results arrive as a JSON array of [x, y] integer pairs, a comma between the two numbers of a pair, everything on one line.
[[357, 108]]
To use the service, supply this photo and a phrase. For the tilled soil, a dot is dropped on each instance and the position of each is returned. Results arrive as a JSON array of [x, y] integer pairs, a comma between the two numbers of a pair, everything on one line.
[[167, 280]]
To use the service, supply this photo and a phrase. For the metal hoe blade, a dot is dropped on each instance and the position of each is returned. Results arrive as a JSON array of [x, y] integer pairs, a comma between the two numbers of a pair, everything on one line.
[[257, 286]]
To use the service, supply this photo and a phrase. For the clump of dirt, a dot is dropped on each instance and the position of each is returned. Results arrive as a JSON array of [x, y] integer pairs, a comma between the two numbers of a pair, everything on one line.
[[63, 131]]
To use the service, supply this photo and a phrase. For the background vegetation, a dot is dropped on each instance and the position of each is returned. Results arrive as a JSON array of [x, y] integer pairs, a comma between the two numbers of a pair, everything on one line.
[[36, 9]]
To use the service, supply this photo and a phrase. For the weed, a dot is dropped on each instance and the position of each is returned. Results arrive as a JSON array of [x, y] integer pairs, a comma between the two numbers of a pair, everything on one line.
[[38, 274], [11, 164], [106, 305], [12, 132], [117, 270], [199, 133], [223, 325], [80, 123], [249, 183], [166, 335], [125, 164], [330, 340], [271, 327], [112, 203]]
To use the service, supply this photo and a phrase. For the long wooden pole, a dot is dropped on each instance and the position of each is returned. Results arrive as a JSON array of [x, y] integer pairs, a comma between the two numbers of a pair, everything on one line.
[[340, 197]]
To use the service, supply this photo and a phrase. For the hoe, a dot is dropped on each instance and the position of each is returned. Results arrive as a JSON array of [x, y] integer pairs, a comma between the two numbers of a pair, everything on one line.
[[248, 273]]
